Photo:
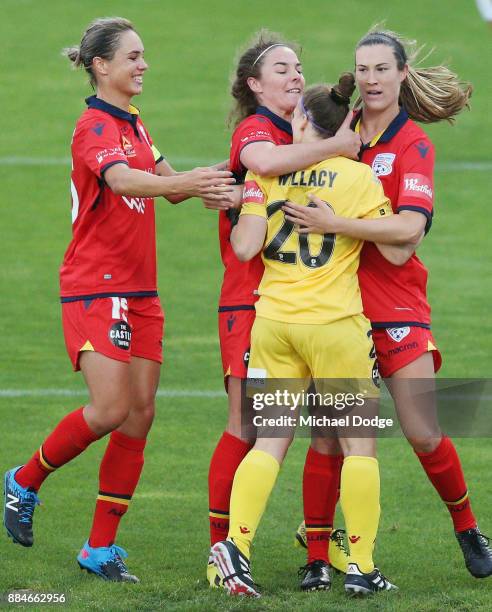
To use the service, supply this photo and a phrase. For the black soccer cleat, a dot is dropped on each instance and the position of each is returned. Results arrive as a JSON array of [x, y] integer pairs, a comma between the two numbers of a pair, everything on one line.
[[233, 569], [476, 551], [358, 583], [19, 506], [105, 562], [316, 576]]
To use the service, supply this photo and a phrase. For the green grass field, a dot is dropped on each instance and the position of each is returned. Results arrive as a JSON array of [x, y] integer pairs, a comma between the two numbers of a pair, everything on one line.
[[190, 48]]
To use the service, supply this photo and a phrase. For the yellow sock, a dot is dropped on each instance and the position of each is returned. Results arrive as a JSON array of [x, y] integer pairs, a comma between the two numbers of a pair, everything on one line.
[[254, 480], [359, 497]]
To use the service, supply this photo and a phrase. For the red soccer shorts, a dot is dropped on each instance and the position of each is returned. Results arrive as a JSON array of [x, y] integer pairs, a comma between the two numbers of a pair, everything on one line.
[[235, 339], [396, 347], [119, 328]]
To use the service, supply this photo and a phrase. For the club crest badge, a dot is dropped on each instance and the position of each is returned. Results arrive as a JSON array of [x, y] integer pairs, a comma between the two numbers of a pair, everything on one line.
[[398, 333], [383, 164]]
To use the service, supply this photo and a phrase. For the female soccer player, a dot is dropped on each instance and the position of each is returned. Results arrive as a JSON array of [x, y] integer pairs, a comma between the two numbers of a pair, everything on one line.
[[267, 86], [394, 94], [112, 318], [309, 325]]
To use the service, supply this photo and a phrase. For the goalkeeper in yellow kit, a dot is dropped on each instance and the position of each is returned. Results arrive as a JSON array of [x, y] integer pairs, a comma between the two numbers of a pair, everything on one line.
[[309, 326]]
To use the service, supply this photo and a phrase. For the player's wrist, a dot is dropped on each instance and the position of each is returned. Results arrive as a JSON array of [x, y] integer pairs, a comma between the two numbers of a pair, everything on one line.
[[338, 224], [174, 185]]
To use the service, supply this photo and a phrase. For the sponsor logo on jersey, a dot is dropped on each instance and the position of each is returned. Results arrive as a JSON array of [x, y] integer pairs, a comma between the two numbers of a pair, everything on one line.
[[382, 164], [252, 193], [257, 135], [137, 204], [127, 147], [398, 333], [102, 155], [120, 335], [417, 185]]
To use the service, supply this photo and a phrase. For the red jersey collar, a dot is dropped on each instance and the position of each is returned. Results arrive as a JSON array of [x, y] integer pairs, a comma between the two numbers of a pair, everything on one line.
[[282, 124], [393, 128], [98, 104]]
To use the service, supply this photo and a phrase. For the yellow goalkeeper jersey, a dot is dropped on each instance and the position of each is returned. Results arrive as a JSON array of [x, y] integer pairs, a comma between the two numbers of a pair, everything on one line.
[[311, 278]]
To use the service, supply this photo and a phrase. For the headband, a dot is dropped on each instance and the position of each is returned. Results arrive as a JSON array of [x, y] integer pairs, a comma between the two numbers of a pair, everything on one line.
[[310, 119], [268, 49]]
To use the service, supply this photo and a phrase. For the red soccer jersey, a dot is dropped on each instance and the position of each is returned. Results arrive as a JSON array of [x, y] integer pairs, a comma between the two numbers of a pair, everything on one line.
[[112, 252], [403, 159], [241, 279]]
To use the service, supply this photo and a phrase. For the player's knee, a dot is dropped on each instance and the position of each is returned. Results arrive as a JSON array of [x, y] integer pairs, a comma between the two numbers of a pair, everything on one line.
[[116, 416], [361, 447], [326, 446], [423, 445], [108, 416], [146, 413]]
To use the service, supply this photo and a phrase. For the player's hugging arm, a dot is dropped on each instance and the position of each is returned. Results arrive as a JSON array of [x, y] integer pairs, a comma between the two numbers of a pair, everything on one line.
[[267, 159], [224, 202], [248, 236], [396, 236], [398, 255]]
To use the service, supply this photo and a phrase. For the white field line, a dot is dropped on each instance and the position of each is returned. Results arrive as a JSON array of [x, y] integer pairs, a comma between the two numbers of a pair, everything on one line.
[[449, 166], [80, 392]]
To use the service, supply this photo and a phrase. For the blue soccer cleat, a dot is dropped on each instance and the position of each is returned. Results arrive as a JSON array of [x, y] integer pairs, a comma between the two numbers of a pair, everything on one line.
[[106, 562], [19, 506]]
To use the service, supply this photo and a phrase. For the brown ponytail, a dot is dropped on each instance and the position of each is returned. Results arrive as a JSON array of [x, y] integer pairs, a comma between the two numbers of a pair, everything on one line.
[[327, 106]]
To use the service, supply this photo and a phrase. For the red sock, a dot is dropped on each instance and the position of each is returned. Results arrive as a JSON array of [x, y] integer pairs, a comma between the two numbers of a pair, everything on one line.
[[443, 469], [320, 491], [70, 437], [119, 474], [228, 454]]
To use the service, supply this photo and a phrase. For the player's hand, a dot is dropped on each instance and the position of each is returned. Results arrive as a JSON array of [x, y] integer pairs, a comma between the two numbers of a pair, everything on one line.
[[218, 202], [348, 142], [233, 199], [317, 219], [205, 182]]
